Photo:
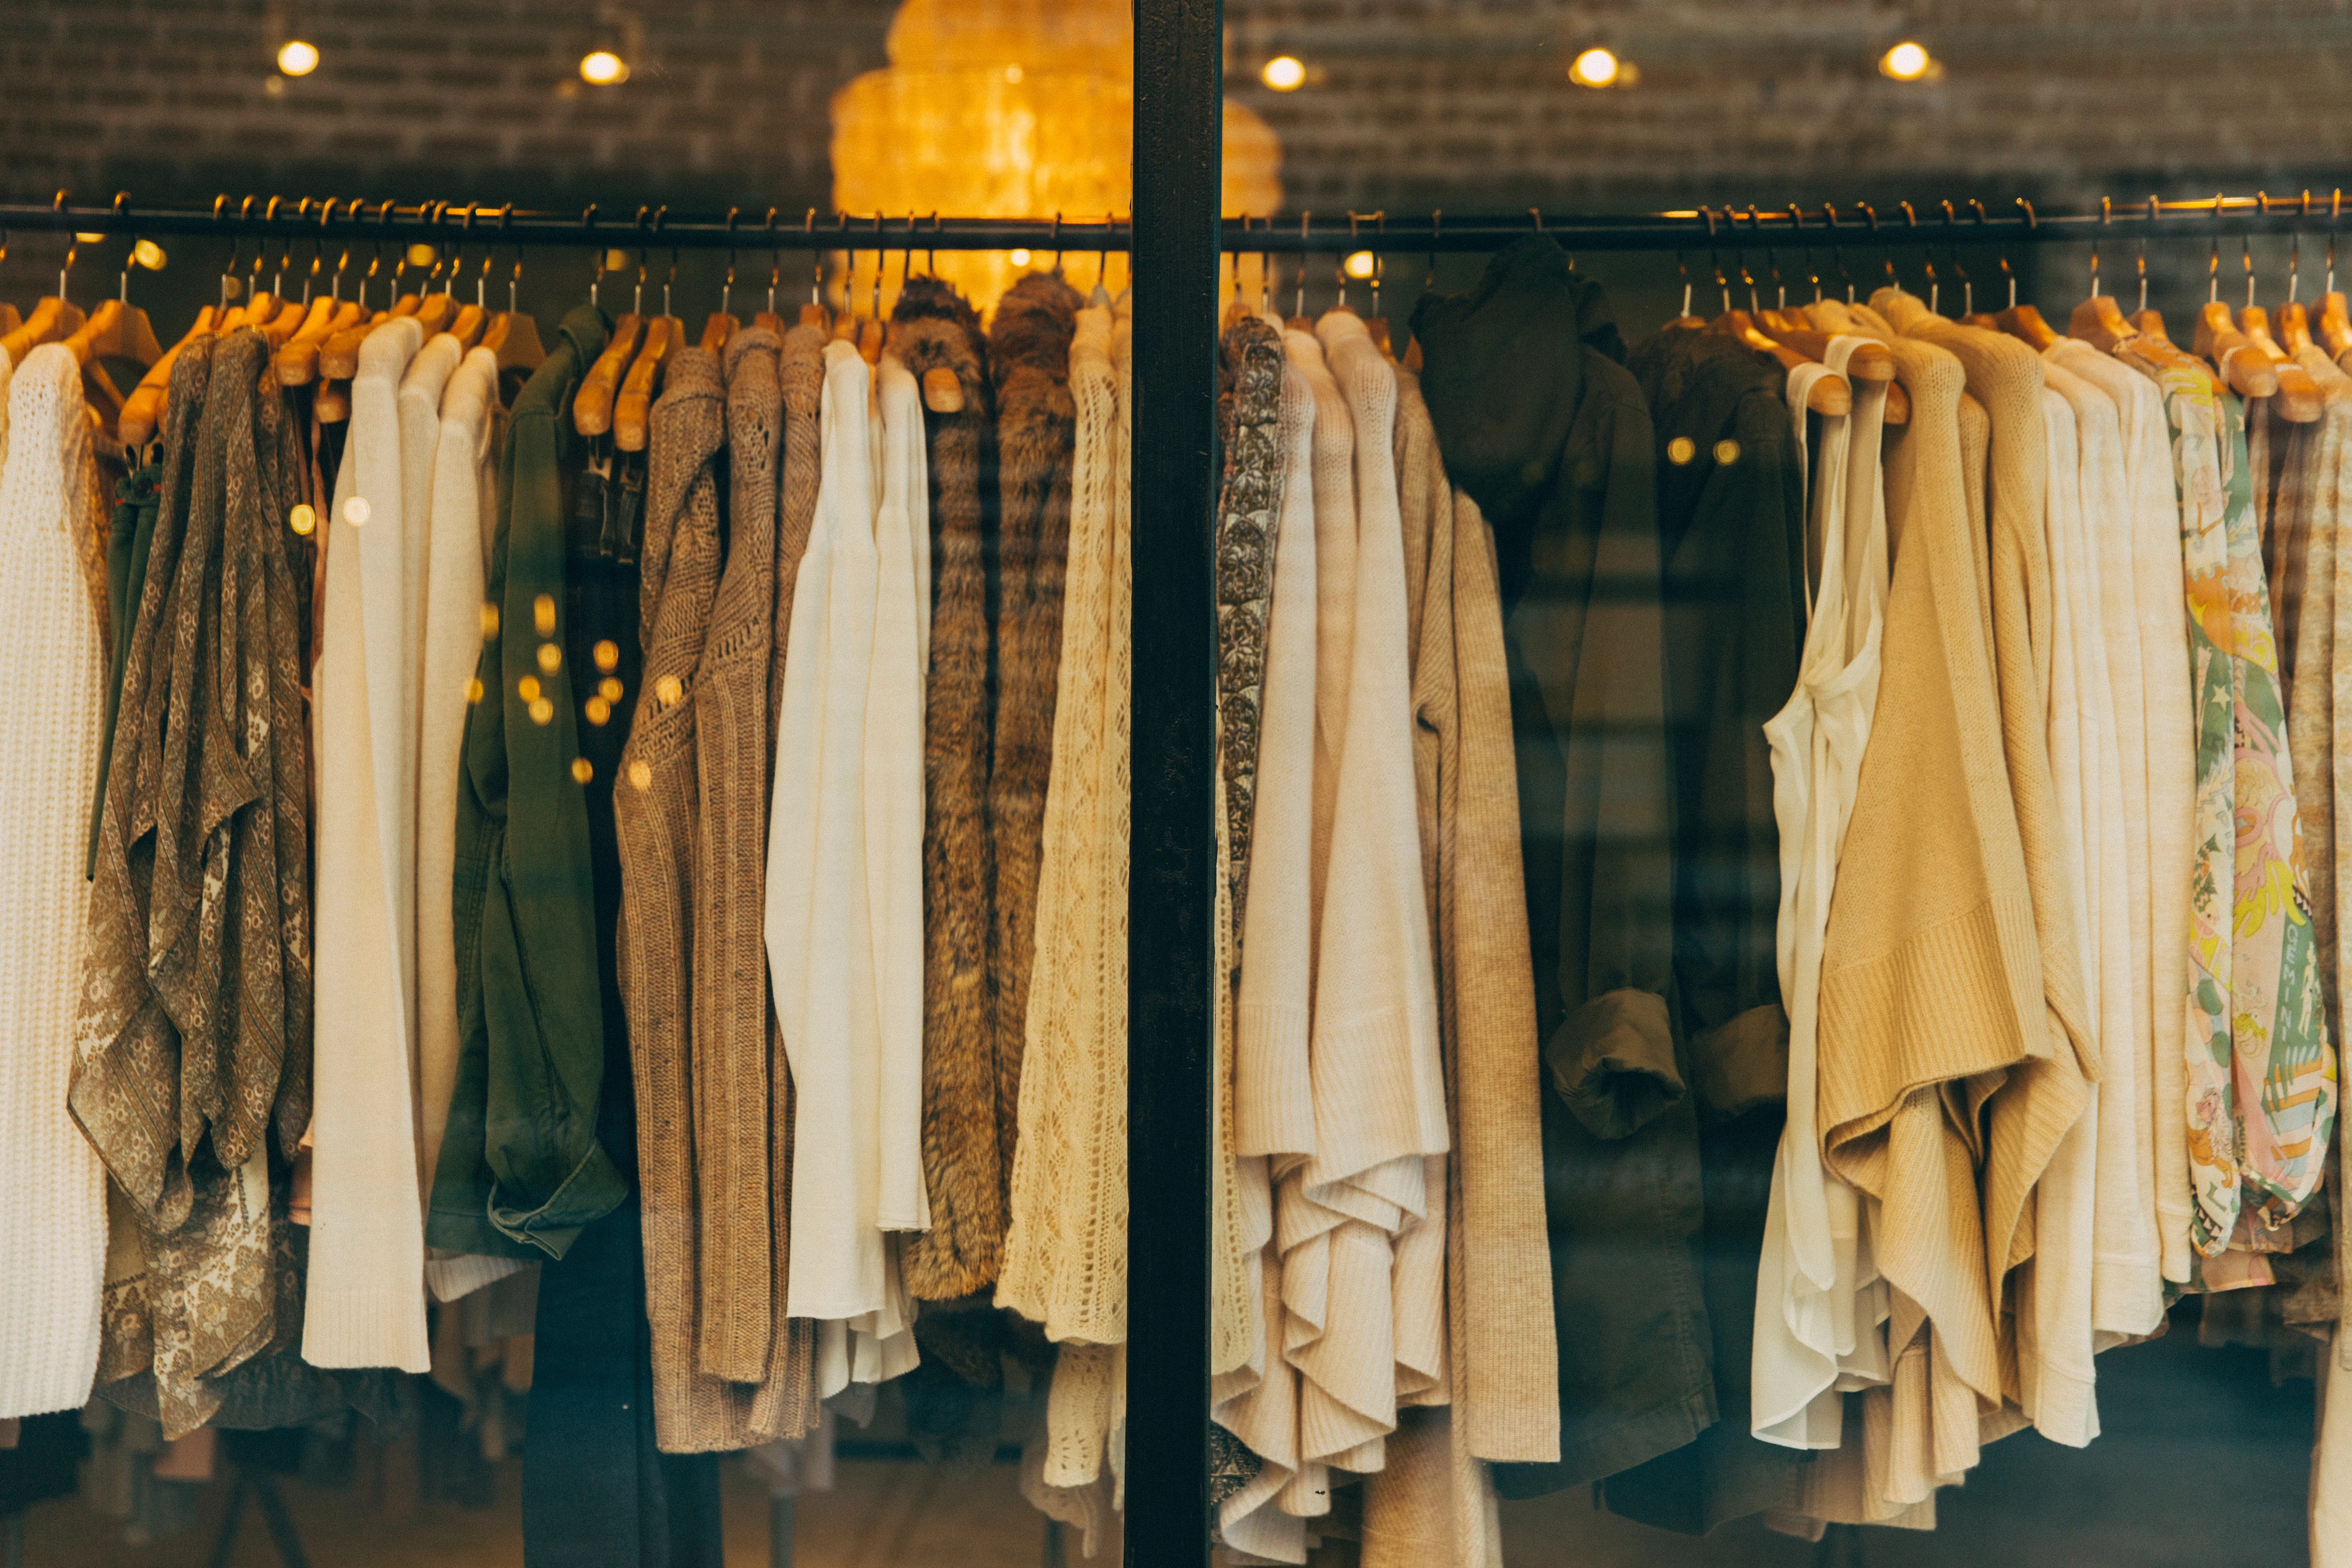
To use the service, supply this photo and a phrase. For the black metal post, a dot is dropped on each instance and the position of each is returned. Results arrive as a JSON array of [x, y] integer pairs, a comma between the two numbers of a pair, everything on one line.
[[1178, 171]]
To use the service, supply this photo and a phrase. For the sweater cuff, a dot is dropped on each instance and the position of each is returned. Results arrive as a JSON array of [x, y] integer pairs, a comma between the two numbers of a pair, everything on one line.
[[1613, 1062], [594, 1189]]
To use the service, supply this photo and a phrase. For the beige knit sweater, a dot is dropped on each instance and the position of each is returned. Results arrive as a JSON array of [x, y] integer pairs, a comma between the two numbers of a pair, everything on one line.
[[1931, 974], [2042, 1097]]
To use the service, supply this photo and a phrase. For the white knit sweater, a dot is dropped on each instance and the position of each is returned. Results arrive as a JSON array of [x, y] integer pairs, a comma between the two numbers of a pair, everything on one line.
[[818, 919], [52, 1188], [366, 1296]]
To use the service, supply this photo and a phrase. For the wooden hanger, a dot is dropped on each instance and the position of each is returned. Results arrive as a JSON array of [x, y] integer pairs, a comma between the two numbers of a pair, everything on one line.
[[52, 321], [2100, 323], [2025, 322], [717, 329], [2294, 328], [298, 361], [592, 406], [1871, 362], [471, 322], [2242, 366], [9, 320], [2334, 325], [116, 330], [143, 411], [512, 333], [632, 405], [2298, 399], [1830, 393]]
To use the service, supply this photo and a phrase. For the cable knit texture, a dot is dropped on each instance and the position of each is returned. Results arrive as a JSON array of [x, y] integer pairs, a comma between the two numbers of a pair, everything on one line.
[[933, 329], [53, 1218], [1065, 1249], [1029, 357]]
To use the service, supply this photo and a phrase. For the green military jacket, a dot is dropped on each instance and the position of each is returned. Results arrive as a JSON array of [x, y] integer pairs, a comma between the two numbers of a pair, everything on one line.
[[521, 1170]]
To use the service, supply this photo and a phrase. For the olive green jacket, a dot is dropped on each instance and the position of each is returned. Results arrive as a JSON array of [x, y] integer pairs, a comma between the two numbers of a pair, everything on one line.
[[520, 1168]]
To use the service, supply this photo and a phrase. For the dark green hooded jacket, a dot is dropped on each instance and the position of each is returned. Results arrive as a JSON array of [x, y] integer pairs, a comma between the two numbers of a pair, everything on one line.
[[1552, 436]]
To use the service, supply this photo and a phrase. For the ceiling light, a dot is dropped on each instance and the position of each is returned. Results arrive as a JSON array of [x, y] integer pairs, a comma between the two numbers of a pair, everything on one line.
[[1360, 265], [296, 58], [1908, 61], [1283, 73], [1596, 67], [603, 68]]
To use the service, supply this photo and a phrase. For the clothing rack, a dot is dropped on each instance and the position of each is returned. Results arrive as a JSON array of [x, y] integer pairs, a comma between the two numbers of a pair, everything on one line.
[[1903, 224], [1176, 238]]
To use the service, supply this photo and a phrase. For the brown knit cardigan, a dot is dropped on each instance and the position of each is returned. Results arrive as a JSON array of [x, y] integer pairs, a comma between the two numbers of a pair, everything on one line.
[[735, 1263], [933, 329], [655, 803], [1029, 360]]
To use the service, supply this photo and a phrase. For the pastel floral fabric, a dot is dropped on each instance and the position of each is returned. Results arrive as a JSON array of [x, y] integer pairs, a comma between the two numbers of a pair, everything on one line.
[[2261, 1071]]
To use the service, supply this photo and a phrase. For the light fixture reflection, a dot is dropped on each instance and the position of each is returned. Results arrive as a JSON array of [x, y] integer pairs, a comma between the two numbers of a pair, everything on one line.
[[1283, 73], [1596, 67], [297, 57], [1908, 61], [1360, 265], [603, 68]]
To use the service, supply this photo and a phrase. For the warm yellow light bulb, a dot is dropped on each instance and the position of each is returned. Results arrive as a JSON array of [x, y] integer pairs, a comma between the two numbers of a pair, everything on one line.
[[149, 254], [1596, 67], [1360, 265], [1907, 61], [603, 68], [1283, 73], [421, 255], [296, 58], [1020, 259]]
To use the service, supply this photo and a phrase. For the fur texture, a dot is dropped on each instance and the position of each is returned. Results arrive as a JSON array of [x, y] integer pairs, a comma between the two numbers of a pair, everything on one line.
[[933, 329], [1029, 355]]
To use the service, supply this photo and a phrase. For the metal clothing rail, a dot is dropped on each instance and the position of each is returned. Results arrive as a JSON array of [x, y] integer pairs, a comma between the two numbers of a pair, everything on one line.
[[1899, 224]]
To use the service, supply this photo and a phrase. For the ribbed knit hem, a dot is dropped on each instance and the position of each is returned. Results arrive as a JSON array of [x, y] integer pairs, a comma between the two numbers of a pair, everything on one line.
[[2068, 1408], [41, 1372], [1373, 1102], [362, 1326], [1274, 1102], [465, 1273]]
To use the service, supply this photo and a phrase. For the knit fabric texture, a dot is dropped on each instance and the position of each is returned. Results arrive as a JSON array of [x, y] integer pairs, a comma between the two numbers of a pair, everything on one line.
[[961, 1152], [655, 804], [53, 1218], [1065, 1247], [735, 1261], [1029, 358]]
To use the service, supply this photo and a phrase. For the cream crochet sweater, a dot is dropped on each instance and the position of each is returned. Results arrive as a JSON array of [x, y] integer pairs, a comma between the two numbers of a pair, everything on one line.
[[1065, 1247], [52, 1188]]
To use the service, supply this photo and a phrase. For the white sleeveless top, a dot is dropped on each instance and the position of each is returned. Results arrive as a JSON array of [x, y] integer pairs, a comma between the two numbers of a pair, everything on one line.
[[1819, 1303]]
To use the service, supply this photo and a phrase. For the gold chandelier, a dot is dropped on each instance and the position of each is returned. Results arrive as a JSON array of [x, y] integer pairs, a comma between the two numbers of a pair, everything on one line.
[[1011, 108]]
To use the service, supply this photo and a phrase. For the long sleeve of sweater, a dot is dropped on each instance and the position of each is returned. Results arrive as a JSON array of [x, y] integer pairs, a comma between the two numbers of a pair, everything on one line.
[[365, 1304], [894, 794], [53, 1197]]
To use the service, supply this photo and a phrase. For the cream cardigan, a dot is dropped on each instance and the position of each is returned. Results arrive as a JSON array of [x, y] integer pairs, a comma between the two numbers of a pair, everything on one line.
[[2127, 1287], [52, 1188], [365, 1304], [821, 959]]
